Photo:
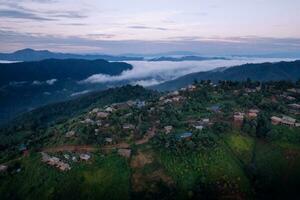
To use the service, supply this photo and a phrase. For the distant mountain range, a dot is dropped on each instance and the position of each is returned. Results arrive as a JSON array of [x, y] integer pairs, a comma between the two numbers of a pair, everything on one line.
[[259, 72], [186, 58], [34, 55]]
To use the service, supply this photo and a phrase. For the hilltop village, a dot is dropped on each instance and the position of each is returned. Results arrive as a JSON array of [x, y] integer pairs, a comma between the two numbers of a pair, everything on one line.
[[222, 126]]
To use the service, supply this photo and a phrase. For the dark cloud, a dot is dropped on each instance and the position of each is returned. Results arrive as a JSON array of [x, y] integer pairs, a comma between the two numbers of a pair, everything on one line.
[[18, 14], [149, 28], [73, 24], [67, 14], [101, 35], [16, 10]]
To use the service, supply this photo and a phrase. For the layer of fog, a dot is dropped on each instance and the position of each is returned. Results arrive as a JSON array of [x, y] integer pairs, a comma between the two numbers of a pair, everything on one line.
[[7, 61], [151, 73]]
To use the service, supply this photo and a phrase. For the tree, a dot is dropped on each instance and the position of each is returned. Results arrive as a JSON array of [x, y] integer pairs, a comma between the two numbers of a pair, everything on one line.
[[263, 126]]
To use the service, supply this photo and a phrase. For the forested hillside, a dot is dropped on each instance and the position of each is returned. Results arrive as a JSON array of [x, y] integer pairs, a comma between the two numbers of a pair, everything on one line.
[[258, 72]]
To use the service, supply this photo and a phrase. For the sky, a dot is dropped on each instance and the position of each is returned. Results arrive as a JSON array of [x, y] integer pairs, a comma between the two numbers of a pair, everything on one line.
[[151, 26]]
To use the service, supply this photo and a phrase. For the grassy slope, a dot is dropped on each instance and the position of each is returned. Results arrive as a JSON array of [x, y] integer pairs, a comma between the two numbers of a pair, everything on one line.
[[106, 178], [216, 169]]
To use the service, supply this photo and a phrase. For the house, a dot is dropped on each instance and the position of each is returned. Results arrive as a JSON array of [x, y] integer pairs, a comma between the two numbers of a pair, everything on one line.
[[168, 129], [53, 161], [109, 109], [293, 90], [205, 121], [176, 99], [98, 123], [128, 127], [140, 104], [102, 115], [95, 110], [84, 156], [238, 117], [290, 98], [294, 106], [275, 120], [175, 93], [198, 127], [286, 120], [45, 157], [191, 88], [74, 159], [63, 166], [122, 106], [125, 152], [253, 113], [88, 121], [67, 156], [108, 140], [215, 108], [70, 134], [128, 115], [130, 103], [167, 101], [250, 90], [161, 98], [3, 168], [185, 135], [56, 162], [22, 147], [151, 109]]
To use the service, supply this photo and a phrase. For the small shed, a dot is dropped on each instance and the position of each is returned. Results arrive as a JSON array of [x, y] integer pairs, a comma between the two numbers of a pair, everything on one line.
[[168, 129], [185, 135], [84, 157], [125, 152], [275, 120], [3, 168]]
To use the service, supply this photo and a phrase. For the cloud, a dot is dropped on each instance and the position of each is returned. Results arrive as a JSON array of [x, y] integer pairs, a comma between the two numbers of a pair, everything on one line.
[[80, 93], [151, 73], [100, 35], [37, 83], [66, 14], [22, 15], [146, 83], [51, 81], [74, 24], [101, 43], [148, 28]]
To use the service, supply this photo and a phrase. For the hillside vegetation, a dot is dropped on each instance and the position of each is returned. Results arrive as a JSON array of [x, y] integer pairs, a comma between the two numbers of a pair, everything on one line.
[[204, 141], [258, 72]]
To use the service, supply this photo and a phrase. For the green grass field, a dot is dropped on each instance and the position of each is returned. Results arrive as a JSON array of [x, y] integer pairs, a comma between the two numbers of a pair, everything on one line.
[[104, 178], [216, 169]]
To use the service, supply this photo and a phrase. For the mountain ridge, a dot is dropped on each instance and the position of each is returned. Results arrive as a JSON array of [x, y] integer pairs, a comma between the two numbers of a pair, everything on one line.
[[259, 72], [28, 54]]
